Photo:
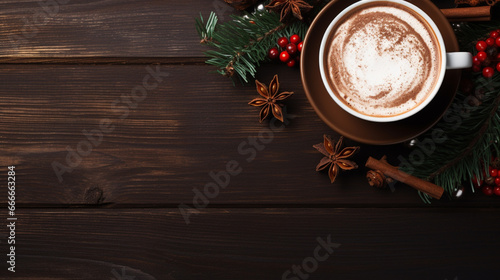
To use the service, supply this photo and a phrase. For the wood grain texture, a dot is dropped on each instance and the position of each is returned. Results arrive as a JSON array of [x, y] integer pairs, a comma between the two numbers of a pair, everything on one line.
[[115, 215], [256, 243], [167, 144], [103, 28]]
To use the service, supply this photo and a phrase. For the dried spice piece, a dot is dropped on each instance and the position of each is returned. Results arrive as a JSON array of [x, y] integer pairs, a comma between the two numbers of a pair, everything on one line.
[[335, 158], [270, 97], [289, 7], [395, 173], [495, 163], [376, 179]]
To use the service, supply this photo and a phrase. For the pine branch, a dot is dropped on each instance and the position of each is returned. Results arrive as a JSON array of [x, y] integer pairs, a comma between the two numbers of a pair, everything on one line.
[[470, 148], [229, 68], [206, 30], [241, 45], [471, 127], [471, 142]]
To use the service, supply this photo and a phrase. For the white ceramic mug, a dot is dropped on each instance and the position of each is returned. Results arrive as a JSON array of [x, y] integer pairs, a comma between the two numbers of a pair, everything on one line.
[[451, 60]]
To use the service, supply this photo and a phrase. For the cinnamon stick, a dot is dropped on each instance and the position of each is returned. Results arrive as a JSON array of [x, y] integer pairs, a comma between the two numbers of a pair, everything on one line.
[[470, 19], [468, 12], [393, 172]]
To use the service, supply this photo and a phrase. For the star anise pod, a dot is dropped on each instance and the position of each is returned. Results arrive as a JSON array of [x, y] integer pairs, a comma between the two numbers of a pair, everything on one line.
[[270, 97], [335, 158], [287, 7]]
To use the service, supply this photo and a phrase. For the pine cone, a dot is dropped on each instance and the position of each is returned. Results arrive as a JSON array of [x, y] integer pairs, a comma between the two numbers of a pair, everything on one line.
[[489, 181], [376, 179]]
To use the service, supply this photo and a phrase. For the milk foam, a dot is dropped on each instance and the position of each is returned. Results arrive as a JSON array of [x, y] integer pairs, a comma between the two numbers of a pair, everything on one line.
[[383, 61]]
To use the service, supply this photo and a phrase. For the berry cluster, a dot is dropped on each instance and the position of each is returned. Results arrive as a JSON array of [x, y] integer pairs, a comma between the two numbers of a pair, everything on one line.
[[487, 58], [491, 184], [289, 50]]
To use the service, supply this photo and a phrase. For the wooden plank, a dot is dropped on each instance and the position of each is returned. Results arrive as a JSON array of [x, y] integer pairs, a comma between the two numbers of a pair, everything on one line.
[[170, 142], [255, 244], [130, 28]]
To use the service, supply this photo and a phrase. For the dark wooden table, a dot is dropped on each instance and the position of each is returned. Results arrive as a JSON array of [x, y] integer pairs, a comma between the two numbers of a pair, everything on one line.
[[102, 165]]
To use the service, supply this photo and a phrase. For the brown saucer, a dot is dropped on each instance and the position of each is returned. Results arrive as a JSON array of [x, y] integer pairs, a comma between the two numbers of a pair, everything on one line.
[[358, 129]]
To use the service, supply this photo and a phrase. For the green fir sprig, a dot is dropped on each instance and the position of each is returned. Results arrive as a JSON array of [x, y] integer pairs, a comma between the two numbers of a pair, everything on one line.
[[242, 44], [469, 130]]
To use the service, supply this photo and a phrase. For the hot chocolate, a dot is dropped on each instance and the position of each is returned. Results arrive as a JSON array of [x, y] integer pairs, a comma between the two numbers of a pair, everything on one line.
[[382, 59]]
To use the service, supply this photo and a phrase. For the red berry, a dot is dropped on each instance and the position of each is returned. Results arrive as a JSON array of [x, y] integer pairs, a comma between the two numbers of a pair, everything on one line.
[[490, 41], [498, 67], [299, 46], [497, 41], [273, 53], [284, 56], [291, 49], [488, 72], [497, 181], [493, 172], [475, 60], [282, 42], [481, 55], [295, 39], [476, 68], [487, 190], [494, 34], [496, 190], [481, 46], [291, 63]]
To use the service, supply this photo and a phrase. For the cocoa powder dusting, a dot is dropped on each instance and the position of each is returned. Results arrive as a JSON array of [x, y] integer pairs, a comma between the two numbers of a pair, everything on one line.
[[391, 29]]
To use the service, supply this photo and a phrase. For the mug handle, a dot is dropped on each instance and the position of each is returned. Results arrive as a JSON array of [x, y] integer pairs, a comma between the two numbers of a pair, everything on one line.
[[458, 60]]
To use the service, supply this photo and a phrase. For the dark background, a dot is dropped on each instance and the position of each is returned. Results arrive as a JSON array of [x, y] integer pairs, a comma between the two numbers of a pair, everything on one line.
[[116, 216]]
